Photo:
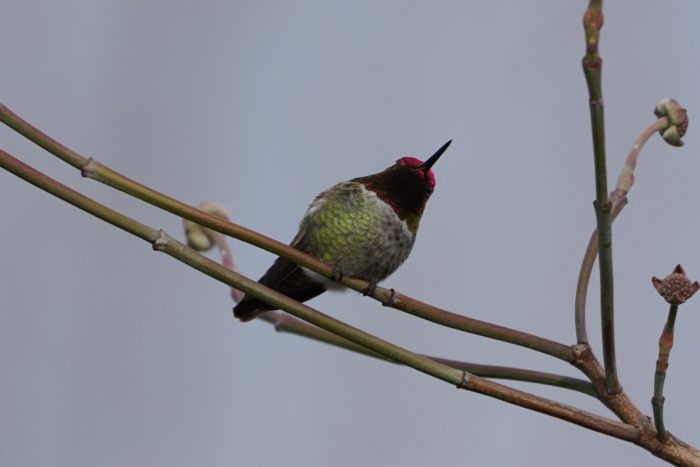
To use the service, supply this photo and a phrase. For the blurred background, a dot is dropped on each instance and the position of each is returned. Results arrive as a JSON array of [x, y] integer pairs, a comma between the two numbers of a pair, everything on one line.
[[112, 355]]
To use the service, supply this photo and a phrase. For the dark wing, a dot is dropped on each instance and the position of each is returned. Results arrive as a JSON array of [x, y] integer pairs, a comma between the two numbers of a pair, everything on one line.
[[285, 277]]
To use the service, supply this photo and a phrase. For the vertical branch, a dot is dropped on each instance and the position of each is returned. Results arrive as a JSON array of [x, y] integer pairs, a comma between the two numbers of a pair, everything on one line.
[[618, 199], [665, 344], [676, 289], [585, 275], [592, 64]]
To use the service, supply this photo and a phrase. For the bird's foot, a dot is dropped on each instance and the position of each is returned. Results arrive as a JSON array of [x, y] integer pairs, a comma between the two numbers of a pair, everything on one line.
[[336, 275], [369, 290]]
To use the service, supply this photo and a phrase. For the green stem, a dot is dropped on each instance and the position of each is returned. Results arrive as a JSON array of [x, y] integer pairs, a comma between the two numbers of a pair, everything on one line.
[[584, 278], [284, 322], [520, 374], [592, 64], [665, 345], [78, 200], [460, 378], [446, 318], [93, 169], [619, 200]]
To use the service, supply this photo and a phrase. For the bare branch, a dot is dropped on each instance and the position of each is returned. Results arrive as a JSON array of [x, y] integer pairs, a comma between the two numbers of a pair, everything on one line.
[[592, 64], [284, 322]]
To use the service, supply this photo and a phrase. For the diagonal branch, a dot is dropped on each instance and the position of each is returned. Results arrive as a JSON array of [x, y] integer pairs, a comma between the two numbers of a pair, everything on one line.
[[592, 64], [562, 411], [284, 322], [584, 277]]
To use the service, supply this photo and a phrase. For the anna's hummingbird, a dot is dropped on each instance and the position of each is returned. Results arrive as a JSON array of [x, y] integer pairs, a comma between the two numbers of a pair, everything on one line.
[[363, 228]]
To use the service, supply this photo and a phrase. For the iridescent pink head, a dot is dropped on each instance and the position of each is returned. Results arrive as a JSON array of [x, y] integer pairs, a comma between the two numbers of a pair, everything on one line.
[[425, 166]]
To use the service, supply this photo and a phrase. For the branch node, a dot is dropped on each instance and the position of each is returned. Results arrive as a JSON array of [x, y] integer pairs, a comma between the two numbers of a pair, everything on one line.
[[605, 208], [581, 352], [614, 393], [160, 243], [466, 380], [391, 301], [88, 170]]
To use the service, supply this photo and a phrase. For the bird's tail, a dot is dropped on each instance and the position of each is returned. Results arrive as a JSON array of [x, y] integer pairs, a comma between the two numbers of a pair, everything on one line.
[[250, 308], [296, 284]]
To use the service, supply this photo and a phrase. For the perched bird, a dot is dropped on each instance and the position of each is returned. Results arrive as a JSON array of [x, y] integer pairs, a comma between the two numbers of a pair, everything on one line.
[[363, 228]]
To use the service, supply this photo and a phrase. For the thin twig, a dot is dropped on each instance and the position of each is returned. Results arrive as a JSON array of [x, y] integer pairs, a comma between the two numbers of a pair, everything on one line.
[[626, 177], [284, 322], [619, 200], [584, 277], [562, 411], [592, 64], [665, 345]]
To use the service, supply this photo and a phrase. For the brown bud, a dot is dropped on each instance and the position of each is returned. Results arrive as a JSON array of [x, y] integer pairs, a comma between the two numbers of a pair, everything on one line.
[[199, 238], [675, 288]]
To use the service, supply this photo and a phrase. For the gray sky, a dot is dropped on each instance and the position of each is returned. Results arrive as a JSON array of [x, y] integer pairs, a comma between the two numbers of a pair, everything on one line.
[[112, 355]]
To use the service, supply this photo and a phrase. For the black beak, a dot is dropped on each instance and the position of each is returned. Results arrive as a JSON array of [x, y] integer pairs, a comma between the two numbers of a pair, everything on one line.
[[433, 159]]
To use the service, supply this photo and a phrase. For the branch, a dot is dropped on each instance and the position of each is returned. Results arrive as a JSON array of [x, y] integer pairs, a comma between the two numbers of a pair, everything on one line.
[[592, 64], [665, 345], [562, 411], [96, 171], [619, 200], [446, 318], [584, 277], [284, 322], [642, 434]]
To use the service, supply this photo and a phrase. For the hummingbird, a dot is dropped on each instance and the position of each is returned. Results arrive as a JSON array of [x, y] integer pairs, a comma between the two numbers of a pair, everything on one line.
[[363, 228]]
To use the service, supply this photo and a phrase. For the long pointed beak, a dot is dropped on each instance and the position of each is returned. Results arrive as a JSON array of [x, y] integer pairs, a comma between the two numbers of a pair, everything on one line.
[[433, 159]]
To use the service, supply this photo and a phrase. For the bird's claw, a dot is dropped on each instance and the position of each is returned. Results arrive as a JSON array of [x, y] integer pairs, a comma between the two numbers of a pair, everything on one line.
[[369, 290], [336, 275]]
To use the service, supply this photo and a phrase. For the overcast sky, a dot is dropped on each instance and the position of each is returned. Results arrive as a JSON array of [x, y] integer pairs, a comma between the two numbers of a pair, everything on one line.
[[113, 355]]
